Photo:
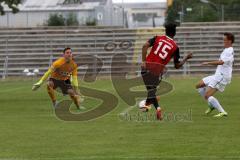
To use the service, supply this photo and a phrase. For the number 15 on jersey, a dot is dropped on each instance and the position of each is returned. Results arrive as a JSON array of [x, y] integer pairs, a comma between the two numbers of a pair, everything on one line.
[[162, 50]]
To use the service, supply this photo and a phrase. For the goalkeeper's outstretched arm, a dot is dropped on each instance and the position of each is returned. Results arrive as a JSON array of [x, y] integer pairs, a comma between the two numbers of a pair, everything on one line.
[[44, 77]]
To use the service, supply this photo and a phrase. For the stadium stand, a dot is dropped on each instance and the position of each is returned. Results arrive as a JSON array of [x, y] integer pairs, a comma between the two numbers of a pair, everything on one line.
[[197, 24], [36, 48]]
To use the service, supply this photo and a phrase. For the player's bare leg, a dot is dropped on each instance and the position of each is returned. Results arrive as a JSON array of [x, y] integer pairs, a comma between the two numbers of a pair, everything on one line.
[[210, 92], [214, 102], [158, 98], [200, 84], [74, 97], [151, 82], [201, 87], [51, 93]]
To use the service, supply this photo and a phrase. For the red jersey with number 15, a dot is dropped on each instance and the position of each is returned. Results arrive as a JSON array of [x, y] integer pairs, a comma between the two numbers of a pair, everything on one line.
[[163, 49]]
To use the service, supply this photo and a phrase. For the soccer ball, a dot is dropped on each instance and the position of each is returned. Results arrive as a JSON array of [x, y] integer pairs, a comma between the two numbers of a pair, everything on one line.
[[142, 106]]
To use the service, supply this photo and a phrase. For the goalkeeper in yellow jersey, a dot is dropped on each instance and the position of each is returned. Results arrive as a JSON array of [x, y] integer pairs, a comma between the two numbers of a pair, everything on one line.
[[62, 74]]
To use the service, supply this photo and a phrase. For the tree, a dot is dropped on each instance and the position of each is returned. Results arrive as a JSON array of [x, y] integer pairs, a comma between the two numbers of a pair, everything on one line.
[[12, 4], [56, 20], [172, 12], [72, 20], [91, 21], [203, 12]]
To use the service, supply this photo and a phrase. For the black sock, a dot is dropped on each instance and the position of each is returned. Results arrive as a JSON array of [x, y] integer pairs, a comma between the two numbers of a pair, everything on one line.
[[155, 103]]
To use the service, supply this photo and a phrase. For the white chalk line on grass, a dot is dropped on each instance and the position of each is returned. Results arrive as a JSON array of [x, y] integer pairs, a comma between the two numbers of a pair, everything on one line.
[[127, 157]]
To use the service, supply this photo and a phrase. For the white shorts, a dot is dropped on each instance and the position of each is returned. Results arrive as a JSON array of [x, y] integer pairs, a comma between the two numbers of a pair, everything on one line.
[[216, 81]]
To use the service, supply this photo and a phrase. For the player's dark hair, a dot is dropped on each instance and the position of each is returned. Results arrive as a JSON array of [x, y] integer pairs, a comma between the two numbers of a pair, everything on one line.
[[66, 49], [170, 29], [229, 36]]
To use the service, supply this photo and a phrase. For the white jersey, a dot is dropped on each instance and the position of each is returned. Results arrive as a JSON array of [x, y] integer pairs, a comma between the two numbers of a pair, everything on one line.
[[225, 70]]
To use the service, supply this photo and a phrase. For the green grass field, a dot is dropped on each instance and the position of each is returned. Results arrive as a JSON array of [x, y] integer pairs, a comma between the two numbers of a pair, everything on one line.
[[30, 130]]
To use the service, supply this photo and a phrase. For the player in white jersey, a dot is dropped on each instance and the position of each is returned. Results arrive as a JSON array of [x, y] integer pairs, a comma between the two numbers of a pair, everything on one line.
[[208, 86]]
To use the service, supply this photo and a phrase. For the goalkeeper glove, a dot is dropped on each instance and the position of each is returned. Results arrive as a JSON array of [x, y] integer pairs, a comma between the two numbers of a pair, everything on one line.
[[37, 85]]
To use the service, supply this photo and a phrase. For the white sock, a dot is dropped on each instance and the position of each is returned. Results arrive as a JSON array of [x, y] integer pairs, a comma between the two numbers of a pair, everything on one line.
[[214, 102], [210, 105], [201, 91]]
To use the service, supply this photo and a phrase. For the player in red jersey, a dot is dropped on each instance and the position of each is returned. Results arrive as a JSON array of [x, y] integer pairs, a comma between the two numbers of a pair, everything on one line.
[[153, 64]]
